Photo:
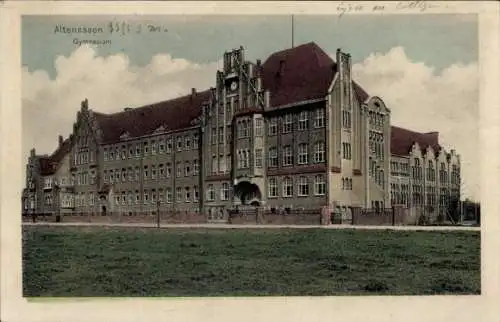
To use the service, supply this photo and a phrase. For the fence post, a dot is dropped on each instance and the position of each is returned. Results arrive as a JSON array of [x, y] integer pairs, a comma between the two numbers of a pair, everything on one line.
[[393, 216]]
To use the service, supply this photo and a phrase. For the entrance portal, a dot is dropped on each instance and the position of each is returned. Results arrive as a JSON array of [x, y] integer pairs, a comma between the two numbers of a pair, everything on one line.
[[248, 193]]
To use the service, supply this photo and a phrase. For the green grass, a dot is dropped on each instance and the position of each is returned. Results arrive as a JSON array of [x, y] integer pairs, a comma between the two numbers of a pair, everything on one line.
[[92, 261]]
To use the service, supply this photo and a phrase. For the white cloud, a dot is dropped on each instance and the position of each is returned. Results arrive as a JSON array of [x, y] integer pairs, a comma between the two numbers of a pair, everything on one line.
[[425, 100], [419, 98], [110, 84]]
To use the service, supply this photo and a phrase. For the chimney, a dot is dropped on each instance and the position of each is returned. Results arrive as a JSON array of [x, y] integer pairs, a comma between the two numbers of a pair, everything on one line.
[[259, 62], [127, 109], [193, 91], [85, 104], [60, 140], [32, 152]]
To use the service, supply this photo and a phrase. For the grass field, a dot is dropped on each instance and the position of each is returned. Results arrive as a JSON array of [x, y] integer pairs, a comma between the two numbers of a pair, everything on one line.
[[92, 261]]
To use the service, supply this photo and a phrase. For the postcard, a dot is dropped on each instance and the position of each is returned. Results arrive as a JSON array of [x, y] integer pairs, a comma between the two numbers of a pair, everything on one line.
[[208, 162]]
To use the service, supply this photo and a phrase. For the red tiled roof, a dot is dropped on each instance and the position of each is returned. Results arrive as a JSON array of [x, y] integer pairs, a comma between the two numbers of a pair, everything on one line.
[[172, 115], [297, 74], [403, 139], [301, 73]]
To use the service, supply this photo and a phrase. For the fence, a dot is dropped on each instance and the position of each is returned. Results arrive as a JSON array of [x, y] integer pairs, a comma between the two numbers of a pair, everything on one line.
[[253, 215], [394, 216], [172, 217], [316, 216]]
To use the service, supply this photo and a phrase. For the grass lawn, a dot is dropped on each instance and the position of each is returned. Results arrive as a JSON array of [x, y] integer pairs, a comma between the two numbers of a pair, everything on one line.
[[99, 261]]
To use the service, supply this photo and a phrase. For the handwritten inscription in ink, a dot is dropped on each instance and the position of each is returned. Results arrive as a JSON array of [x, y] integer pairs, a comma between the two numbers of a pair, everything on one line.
[[353, 7], [123, 28]]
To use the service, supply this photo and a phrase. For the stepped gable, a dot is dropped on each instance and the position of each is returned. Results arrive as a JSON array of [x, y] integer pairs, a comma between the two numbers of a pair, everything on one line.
[[403, 139], [301, 73], [173, 114]]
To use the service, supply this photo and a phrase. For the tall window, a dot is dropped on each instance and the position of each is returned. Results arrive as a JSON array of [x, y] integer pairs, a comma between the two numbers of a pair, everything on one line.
[[187, 169], [431, 174], [287, 187], [153, 147], [221, 135], [346, 150], [196, 193], [273, 157], [346, 119], [179, 144], [272, 187], [287, 123], [214, 164], [303, 187], [222, 163], [169, 145], [179, 169], [161, 170], [196, 141], [224, 192], [153, 172], [319, 152], [319, 117], [303, 121], [187, 194], [287, 156], [319, 185], [259, 127], [168, 170], [168, 195], [303, 153], [196, 167], [145, 172], [273, 126], [161, 145], [258, 158], [178, 194], [210, 192]]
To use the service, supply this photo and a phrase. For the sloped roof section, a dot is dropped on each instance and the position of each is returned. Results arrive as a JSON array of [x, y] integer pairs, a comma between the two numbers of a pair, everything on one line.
[[48, 164], [301, 73], [402, 140], [297, 74], [173, 114]]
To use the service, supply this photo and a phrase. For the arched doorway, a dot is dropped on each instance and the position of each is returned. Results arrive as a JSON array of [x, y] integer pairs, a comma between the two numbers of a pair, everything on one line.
[[248, 193]]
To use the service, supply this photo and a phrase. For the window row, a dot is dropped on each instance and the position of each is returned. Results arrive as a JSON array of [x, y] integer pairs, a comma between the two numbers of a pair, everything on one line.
[[153, 196], [346, 183], [83, 157], [222, 164], [158, 146], [152, 172], [302, 121], [287, 154], [225, 192], [302, 186]]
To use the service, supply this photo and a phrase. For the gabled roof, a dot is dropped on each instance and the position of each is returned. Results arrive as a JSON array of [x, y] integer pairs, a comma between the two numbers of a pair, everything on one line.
[[48, 164], [293, 75], [402, 140], [173, 114], [301, 73]]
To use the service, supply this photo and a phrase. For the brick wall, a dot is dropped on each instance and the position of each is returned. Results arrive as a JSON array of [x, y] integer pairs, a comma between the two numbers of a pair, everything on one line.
[[266, 217], [166, 218], [382, 217]]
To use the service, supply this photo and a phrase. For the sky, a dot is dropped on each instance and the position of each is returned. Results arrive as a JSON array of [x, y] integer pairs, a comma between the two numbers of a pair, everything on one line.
[[424, 67]]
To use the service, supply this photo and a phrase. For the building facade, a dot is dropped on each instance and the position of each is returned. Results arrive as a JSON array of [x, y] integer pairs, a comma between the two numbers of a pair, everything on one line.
[[292, 132]]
